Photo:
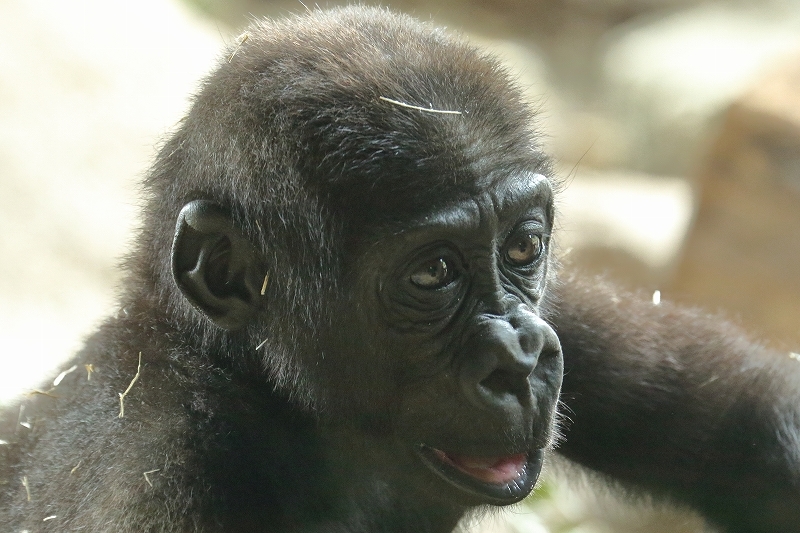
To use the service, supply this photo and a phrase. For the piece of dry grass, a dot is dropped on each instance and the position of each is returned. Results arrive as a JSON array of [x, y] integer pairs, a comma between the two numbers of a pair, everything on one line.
[[145, 474], [62, 375], [74, 468], [123, 394], [242, 39], [48, 393], [23, 422], [27, 487], [264, 285], [656, 297], [89, 371], [419, 108]]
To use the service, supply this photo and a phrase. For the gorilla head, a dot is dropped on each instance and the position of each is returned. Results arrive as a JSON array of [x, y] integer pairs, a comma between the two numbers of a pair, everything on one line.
[[385, 178]]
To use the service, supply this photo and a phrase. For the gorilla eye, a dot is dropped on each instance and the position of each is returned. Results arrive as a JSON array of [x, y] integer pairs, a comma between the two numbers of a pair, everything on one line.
[[524, 249], [433, 275]]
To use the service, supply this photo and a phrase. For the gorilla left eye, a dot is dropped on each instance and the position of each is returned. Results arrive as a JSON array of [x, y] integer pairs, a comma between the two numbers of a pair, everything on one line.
[[433, 275], [524, 249]]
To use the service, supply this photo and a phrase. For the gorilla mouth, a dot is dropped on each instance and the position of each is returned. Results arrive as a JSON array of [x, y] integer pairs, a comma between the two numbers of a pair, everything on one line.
[[499, 480]]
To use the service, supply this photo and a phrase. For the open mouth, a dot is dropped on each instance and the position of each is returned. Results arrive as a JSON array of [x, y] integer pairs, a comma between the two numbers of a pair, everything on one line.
[[499, 480]]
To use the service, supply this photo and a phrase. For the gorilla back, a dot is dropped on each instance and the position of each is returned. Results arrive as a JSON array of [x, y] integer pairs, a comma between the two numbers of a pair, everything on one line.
[[334, 318]]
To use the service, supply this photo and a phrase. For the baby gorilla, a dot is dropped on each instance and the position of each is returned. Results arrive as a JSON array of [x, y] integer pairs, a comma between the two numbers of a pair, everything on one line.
[[354, 324]]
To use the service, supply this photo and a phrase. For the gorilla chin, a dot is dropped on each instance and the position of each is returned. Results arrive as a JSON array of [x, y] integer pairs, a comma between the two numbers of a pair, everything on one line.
[[496, 480]]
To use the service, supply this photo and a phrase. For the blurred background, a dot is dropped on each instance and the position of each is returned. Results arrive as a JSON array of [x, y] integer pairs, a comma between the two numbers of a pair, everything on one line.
[[675, 125]]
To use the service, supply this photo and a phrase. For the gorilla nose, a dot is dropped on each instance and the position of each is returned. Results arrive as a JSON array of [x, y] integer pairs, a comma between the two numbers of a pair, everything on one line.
[[500, 356]]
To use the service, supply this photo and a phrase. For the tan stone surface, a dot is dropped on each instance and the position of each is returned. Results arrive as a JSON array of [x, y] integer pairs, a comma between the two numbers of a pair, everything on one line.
[[744, 250], [87, 88]]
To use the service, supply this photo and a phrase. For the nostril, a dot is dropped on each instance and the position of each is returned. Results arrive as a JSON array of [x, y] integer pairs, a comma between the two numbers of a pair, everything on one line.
[[550, 351], [501, 382], [530, 343]]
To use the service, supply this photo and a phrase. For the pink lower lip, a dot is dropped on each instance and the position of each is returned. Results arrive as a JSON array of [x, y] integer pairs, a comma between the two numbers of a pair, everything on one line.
[[497, 470]]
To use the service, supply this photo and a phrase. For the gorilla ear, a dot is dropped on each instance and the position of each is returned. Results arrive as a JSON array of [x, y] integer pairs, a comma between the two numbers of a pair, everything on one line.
[[215, 266]]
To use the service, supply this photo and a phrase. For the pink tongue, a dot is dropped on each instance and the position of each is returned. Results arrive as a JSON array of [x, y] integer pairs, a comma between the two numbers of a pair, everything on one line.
[[496, 470]]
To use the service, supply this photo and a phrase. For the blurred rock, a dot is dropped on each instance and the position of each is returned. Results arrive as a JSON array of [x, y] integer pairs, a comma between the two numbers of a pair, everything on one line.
[[744, 250], [629, 225], [668, 77], [86, 90]]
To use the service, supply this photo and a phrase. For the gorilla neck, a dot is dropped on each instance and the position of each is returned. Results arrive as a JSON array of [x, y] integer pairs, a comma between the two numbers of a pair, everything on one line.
[[269, 464], [341, 479]]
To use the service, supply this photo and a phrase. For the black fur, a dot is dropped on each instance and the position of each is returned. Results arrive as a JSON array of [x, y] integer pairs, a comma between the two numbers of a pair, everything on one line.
[[304, 408]]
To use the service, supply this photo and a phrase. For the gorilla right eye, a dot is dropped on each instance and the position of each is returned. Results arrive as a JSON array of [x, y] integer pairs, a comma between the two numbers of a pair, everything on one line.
[[433, 275], [525, 249]]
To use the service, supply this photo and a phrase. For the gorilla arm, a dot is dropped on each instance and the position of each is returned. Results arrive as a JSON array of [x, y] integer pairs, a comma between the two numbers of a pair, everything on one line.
[[681, 404]]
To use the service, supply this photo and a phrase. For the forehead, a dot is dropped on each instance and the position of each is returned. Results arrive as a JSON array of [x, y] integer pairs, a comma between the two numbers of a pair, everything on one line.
[[498, 203]]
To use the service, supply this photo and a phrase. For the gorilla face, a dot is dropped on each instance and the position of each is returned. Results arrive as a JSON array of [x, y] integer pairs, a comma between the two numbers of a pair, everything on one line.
[[408, 255], [442, 341]]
